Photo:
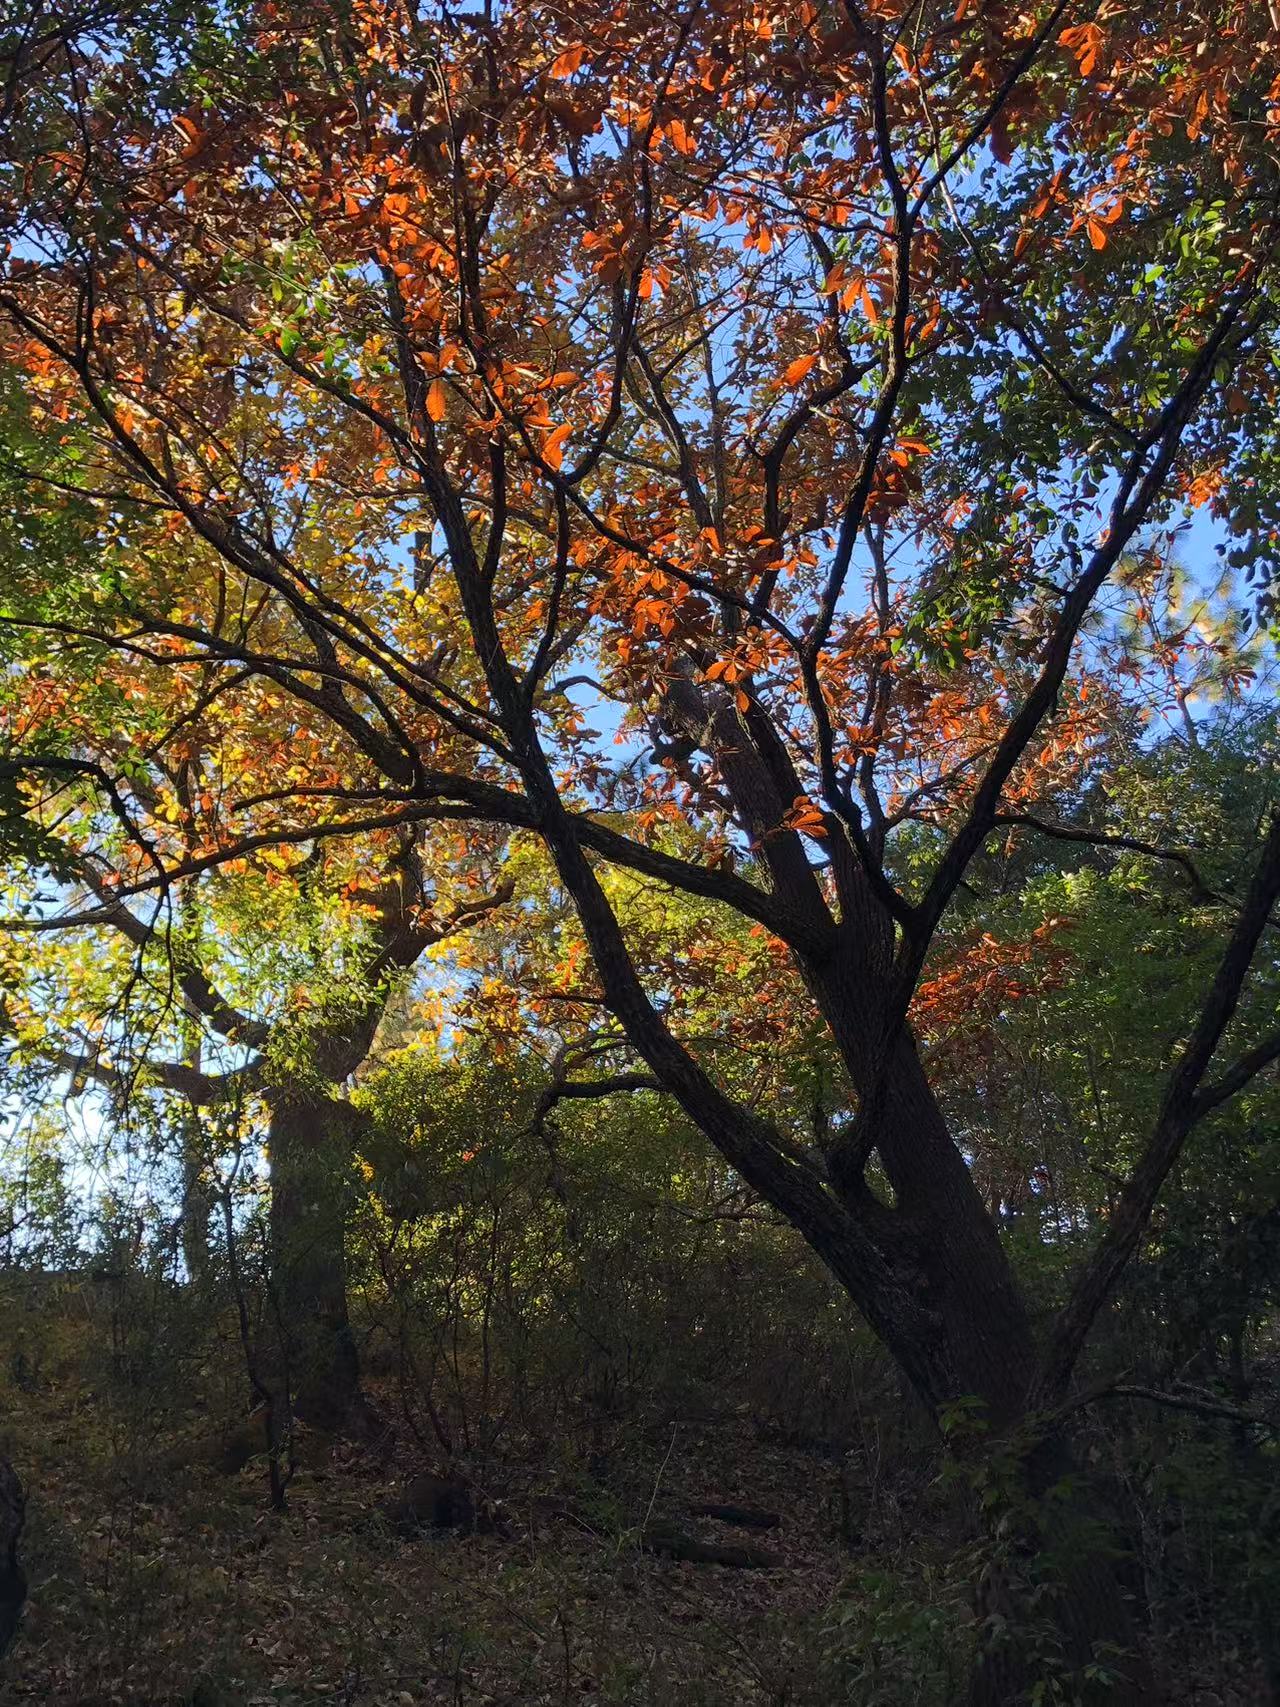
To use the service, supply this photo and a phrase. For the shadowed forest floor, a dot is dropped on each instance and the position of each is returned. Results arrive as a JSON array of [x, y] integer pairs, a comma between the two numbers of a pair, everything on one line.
[[164, 1587], [153, 1589]]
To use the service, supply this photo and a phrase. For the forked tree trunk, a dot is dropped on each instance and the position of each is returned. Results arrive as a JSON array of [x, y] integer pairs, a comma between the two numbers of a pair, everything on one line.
[[310, 1141], [1051, 1608], [1075, 1615], [928, 1271]]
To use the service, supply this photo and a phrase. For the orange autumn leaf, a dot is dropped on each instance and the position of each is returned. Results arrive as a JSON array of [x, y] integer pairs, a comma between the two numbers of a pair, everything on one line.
[[798, 369], [1085, 41], [566, 63], [553, 446], [681, 141]]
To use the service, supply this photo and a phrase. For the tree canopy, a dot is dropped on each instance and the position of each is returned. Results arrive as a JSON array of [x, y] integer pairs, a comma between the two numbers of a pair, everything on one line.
[[722, 555]]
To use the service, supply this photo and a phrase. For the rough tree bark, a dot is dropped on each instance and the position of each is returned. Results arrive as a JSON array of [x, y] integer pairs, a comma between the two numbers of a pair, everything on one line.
[[310, 1140]]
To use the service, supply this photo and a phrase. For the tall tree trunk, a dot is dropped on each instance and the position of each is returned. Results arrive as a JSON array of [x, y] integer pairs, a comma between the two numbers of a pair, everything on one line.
[[1056, 1594], [1050, 1605], [310, 1140]]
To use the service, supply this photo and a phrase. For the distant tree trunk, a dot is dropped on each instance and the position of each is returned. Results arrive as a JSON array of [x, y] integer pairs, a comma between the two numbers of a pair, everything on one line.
[[13, 1581], [310, 1139], [197, 1198]]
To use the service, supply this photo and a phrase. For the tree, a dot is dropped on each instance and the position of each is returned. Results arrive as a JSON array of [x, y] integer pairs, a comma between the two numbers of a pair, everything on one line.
[[250, 992], [153, 1018], [790, 383]]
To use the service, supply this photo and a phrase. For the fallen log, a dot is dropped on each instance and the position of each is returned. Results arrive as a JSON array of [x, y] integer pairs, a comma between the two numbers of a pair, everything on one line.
[[740, 1516], [672, 1543], [665, 1538]]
